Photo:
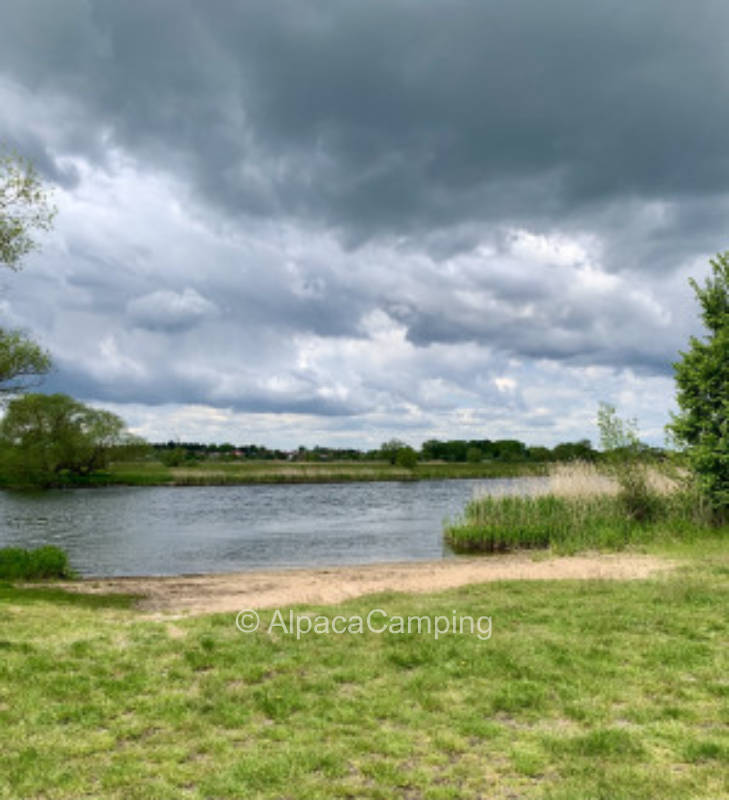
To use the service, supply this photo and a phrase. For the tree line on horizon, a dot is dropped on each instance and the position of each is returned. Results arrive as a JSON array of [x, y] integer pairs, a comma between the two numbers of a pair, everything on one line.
[[454, 451]]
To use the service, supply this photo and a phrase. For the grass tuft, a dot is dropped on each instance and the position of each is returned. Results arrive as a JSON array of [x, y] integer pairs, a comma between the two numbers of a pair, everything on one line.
[[18, 563]]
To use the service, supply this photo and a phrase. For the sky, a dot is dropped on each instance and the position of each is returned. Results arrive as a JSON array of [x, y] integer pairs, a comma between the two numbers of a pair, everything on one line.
[[299, 223]]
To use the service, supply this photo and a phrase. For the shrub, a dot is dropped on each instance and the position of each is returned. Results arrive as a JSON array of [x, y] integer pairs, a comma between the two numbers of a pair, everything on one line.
[[173, 457], [406, 457], [18, 563]]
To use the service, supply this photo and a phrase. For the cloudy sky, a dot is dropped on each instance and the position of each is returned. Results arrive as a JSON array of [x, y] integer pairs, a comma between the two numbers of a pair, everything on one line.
[[335, 222]]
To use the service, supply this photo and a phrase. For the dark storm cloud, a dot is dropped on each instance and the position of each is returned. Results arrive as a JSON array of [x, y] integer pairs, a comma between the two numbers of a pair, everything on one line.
[[355, 208], [395, 116]]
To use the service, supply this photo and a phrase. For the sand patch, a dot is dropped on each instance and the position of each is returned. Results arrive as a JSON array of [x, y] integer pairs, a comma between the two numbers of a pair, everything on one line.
[[204, 594]]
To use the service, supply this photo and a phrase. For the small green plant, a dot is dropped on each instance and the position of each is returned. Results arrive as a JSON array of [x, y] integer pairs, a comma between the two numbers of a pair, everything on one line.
[[623, 453], [19, 563]]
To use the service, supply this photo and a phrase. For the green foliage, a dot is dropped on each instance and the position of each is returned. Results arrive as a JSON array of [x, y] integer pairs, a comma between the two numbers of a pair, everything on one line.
[[503, 450], [45, 438], [566, 524], [173, 457], [24, 205], [406, 457], [474, 455], [569, 451], [17, 563], [495, 524], [702, 381], [624, 457], [21, 360], [617, 436], [389, 450]]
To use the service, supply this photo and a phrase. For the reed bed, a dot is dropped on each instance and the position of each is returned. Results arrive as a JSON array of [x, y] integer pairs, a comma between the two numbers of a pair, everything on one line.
[[577, 506], [221, 473], [283, 474]]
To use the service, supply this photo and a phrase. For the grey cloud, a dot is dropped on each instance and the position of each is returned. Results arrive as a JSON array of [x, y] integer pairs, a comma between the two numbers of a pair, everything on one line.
[[167, 385], [397, 117], [301, 167], [168, 310]]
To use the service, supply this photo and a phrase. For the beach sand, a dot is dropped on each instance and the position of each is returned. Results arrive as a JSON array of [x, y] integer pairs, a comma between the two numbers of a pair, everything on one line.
[[204, 594]]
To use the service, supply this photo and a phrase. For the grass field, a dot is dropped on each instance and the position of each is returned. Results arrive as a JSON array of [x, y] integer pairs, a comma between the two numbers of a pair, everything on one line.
[[210, 473], [584, 690]]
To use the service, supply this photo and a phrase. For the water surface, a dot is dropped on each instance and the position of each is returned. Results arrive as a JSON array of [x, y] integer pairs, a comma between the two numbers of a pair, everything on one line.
[[179, 530]]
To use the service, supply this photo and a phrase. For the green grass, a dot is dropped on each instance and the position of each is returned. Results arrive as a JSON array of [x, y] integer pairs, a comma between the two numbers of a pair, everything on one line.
[[18, 563], [569, 524], [585, 690]]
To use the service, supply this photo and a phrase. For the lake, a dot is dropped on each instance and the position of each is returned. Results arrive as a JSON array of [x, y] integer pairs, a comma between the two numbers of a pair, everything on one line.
[[177, 530]]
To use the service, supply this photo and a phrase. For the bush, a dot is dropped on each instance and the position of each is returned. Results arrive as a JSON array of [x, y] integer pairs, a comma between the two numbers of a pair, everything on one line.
[[406, 457], [173, 457], [18, 563]]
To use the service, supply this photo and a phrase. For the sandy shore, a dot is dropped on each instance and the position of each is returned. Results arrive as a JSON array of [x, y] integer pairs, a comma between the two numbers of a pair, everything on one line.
[[203, 594]]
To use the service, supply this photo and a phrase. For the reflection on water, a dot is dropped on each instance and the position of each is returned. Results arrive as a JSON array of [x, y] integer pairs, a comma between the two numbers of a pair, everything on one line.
[[170, 530]]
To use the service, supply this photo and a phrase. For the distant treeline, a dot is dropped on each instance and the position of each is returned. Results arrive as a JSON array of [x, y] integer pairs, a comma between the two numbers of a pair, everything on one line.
[[452, 451]]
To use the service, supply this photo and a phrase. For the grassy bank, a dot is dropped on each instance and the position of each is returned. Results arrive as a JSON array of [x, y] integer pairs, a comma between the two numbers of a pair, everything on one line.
[[578, 508], [584, 690], [217, 473]]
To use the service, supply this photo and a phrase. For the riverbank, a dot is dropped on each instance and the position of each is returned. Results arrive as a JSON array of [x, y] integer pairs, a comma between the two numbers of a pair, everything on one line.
[[580, 688], [204, 594], [220, 473]]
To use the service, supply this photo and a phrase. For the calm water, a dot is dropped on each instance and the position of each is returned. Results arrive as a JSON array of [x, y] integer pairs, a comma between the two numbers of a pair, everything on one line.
[[170, 530]]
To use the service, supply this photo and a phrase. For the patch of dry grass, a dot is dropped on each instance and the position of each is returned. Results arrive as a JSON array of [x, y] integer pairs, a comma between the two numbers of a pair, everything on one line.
[[582, 479]]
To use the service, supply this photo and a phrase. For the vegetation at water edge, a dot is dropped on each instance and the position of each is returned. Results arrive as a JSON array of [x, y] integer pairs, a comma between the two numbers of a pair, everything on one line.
[[41, 563]]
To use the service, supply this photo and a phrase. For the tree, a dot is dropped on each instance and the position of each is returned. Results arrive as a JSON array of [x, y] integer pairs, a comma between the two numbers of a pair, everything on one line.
[[406, 457], [388, 450], [21, 360], [624, 454], [574, 451], [24, 205], [702, 381], [47, 438], [617, 436], [474, 455]]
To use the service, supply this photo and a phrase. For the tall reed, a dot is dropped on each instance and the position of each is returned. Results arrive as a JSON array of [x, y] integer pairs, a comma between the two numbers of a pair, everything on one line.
[[576, 507]]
